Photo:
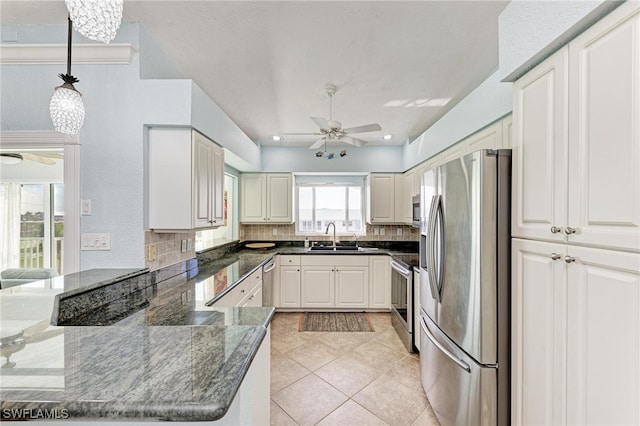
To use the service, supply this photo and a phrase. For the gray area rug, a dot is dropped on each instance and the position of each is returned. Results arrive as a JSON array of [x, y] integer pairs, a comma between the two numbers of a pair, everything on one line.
[[335, 321]]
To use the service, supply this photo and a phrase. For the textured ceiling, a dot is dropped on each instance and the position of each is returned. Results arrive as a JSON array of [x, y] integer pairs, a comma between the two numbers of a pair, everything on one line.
[[266, 63]]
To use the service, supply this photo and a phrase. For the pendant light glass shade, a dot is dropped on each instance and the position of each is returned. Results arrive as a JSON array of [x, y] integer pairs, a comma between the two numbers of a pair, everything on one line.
[[67, 109], [96, 19]]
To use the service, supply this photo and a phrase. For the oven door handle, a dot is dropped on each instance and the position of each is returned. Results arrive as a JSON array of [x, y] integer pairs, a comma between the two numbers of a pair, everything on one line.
[[460, 363], [398, 267]]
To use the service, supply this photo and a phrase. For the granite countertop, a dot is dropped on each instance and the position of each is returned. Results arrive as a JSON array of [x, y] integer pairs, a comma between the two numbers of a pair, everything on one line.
[[134, 344], [169, 358]]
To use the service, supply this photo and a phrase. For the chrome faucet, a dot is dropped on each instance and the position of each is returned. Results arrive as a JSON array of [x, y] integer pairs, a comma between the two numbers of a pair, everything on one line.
[[334, 232]]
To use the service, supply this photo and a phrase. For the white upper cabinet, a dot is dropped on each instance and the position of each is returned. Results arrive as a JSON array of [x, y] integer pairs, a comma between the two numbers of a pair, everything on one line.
[[385, 193], [266, 198], [577, 139], [604, 133], [539, 156], [186, 180]]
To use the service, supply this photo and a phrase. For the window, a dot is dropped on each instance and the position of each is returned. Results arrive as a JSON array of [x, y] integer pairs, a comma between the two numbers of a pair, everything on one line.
[[319, 203]]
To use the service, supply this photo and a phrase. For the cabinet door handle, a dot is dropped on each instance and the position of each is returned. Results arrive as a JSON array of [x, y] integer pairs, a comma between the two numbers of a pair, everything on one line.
[[555, 256], [569, 259], [556, 229], [568, 230]]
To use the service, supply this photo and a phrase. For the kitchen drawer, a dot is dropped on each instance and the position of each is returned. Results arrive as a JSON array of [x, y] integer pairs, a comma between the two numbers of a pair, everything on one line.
[[289, 260], [335, 260], [255, 277], [241, 290]]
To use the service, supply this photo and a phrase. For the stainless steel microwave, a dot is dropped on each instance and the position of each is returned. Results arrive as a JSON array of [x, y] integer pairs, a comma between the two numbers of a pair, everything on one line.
[[415, 202]]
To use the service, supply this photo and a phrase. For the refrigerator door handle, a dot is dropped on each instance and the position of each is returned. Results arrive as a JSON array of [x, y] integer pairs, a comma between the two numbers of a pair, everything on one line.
[[439, 272], [460, 363], [435, 294]]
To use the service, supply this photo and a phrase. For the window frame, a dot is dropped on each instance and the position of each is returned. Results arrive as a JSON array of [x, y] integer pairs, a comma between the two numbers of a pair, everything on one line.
[[346, 185]]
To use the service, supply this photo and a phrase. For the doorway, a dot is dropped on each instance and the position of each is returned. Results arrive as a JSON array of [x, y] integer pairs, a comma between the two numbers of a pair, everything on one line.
[[39, 201]]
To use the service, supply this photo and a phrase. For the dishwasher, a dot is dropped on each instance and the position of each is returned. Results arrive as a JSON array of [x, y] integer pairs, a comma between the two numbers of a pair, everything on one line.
[[267, 282]]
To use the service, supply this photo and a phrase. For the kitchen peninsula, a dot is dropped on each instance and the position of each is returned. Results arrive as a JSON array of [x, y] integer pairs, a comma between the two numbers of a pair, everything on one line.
[[133, 345]]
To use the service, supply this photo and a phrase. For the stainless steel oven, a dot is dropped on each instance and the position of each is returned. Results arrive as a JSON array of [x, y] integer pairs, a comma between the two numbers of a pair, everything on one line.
[[402, 302]]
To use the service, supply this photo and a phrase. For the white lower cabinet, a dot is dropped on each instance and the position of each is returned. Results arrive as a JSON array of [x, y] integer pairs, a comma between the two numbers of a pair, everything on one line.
[[379, 282], [288, 294], [334, 281], [352, 287], [318, 286], [575, 335]]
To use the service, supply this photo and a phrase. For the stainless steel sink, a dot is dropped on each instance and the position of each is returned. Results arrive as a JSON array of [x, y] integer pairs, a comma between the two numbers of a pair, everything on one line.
[[336, 249]]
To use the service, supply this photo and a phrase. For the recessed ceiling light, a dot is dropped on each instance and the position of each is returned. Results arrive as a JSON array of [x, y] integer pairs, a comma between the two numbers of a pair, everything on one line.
[[387, 137], [276, 138]]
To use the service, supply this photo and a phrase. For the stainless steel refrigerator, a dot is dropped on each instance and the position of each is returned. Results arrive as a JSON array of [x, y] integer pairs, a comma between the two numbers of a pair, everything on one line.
[[465, 288]]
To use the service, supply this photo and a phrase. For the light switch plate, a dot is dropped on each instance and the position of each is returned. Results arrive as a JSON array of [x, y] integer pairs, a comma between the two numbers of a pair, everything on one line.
[[183, 246], [382, 230], [399, 231], [189, 244], [85, 207], [95, 242]]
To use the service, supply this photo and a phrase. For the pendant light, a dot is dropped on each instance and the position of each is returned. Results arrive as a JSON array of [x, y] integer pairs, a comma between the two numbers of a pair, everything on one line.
[[97, 20], [66, 107]]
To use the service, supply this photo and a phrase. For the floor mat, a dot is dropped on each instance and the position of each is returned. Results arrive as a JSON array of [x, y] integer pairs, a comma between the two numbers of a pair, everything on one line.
[[335, 321]]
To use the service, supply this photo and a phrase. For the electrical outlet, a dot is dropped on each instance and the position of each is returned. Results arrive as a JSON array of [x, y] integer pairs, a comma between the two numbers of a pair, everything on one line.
[[183, 246], [399, 232], [376, 230], [95, 242], [152, 252], [382, 230], [275, 231], [189, 244]]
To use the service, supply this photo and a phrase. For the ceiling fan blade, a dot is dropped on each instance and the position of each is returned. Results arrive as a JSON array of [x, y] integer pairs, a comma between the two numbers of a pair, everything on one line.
[[38, 158], [317, 144], [50, 155], [362, 129], [353, 141], [321, 122], [302, 134]]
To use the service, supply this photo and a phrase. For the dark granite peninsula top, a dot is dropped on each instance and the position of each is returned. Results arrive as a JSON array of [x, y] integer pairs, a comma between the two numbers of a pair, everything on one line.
[[129, 344], [164, 355]]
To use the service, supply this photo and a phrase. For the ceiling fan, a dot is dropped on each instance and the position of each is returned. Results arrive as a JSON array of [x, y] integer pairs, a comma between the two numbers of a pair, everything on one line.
[[41, 157], [331, 130]]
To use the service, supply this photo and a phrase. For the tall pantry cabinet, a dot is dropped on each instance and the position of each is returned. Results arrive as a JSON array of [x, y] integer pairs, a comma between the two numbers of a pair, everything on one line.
[[576, 229]]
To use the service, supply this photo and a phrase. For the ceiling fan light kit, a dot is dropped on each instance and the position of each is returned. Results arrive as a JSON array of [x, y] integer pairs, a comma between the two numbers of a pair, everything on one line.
[[10, 158], [331, 130]]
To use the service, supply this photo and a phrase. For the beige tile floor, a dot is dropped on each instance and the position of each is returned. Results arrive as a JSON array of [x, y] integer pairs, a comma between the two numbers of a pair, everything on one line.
[[345, 379]]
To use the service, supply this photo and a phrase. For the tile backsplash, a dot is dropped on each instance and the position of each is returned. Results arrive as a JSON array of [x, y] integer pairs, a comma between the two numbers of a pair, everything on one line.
[[168, 248], [288, 233]]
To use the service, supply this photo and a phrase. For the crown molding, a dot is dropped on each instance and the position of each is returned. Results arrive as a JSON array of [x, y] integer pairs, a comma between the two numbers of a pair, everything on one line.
[[18, 139], [53, 54]]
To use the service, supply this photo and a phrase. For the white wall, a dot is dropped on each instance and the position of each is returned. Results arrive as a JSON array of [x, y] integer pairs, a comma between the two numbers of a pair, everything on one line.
[[529, 31], [117, 105], [364, 159], [487, 103], [209, 119]]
